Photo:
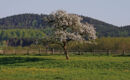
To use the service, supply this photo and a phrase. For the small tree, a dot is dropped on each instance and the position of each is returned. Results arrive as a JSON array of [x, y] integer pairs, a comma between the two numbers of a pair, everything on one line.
[[68, 27]]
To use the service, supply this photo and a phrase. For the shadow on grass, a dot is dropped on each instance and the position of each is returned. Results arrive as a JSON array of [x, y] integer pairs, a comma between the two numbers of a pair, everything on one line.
[[121, 56], [13, 60]]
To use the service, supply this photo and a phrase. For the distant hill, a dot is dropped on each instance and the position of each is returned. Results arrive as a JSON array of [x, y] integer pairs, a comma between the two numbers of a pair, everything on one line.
[[23, 21], [124, 31], [37, 21], [102, 28]]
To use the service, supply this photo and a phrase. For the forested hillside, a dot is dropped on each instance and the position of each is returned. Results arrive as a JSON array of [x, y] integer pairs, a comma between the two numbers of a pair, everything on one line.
[[23, 21], [35, 21], [125, 31]]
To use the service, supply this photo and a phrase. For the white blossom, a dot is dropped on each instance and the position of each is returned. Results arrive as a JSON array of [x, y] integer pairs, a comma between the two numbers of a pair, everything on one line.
[[69, 27]]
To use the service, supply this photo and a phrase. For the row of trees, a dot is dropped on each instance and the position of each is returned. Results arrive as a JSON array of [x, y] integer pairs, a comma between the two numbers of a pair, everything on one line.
[[106, 43], [119, 43], [100, 44], [21, 34]]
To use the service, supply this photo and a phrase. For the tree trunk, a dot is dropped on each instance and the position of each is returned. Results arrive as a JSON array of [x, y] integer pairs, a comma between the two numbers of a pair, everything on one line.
[[46, 49], [65, 51], [39, 51], [27, 51], [53, 51], [123, 53], [108, 52]]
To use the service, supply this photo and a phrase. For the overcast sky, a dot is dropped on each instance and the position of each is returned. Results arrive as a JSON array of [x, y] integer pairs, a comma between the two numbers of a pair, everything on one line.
[[115, 12]]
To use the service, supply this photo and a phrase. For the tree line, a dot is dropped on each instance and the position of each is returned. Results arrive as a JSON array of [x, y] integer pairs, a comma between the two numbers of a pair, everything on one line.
[[21, 33], [20, 37], [28, 37], [106, 43]]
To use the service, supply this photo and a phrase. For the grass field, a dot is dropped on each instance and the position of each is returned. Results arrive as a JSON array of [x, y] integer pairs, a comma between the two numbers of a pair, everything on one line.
[[55, 67]]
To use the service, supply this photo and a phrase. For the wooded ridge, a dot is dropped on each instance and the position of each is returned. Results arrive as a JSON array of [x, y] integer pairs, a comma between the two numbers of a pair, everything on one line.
[[36, 21]]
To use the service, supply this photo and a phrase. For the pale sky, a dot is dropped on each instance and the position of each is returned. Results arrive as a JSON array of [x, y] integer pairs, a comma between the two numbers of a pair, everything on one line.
[[115, 12]]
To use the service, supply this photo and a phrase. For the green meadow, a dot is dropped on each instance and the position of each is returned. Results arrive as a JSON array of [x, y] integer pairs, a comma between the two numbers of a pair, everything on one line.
[[56, 67]]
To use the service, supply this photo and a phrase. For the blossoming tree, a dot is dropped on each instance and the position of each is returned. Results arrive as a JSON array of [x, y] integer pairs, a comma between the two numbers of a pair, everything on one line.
[[68, 27]]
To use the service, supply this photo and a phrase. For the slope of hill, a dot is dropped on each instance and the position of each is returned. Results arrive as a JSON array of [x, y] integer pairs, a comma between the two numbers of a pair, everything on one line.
[[37, 21], [102, 28], [124, 31], [23, 21]]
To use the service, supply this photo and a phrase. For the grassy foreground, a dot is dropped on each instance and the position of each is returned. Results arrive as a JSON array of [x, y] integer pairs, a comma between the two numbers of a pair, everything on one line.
[[55, 67]]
